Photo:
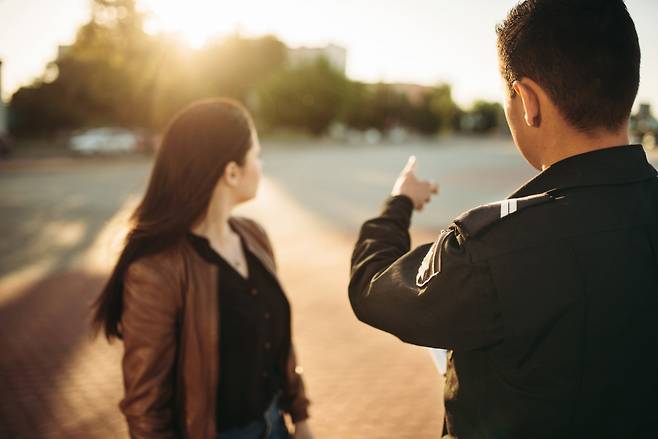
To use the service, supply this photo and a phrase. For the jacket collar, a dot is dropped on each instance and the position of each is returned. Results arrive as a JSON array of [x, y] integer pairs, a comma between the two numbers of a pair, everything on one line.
[[611, 166], [255, 240], [252, 237]]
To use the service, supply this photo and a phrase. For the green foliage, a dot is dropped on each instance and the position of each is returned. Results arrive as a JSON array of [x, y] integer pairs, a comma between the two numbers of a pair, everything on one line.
[[483, 117], [378, 106], [385, 106], [235, 66], [420, 117], [308, 97], [103, 78], [444, 108], [114, 74]]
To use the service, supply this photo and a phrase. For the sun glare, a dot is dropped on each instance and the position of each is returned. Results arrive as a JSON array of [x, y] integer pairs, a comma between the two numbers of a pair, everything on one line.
[[195, 21]]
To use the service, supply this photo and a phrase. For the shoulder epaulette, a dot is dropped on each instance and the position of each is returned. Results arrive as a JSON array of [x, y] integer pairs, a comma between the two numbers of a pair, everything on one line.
[[472, 222]]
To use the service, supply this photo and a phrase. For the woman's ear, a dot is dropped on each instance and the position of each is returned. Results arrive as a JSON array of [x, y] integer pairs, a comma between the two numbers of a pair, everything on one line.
[[531, 105], [232, 174]]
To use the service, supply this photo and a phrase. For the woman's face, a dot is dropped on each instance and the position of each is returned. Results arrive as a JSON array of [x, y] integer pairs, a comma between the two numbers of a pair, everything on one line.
[[250, 173]]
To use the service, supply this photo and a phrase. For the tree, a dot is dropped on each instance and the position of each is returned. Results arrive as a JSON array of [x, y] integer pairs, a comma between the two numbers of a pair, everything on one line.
[[234, 66], [115, 74], [444, 107], [384, 106], [104, 77], [309, 97], [420, 117], [483, 117], [377, 106]]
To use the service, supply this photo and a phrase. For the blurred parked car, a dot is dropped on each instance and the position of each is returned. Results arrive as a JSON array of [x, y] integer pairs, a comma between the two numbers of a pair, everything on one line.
[[105, 141]]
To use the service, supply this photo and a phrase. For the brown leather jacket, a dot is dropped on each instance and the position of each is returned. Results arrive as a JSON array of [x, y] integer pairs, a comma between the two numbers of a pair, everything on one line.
[[170, 327]]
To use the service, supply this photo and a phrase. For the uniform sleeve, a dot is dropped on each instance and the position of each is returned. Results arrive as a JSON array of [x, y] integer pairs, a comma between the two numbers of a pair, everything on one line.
[[149, 336], [447, 303]]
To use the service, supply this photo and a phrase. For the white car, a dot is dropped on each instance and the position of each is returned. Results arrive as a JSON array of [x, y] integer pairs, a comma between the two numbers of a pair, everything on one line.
[[104, 141]]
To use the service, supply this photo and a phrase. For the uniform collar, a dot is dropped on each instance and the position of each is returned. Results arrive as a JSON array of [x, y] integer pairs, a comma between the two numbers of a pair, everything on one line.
[[611, 166]]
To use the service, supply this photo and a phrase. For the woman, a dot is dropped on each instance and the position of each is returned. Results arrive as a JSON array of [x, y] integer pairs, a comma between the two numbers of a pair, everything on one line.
[[195, 297]]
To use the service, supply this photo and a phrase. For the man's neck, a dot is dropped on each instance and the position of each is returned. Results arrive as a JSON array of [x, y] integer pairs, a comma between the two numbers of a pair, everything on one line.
[[576, 143]]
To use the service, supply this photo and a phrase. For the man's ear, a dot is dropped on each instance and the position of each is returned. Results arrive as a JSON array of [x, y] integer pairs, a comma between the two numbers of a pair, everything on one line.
[[231, 174], [525, 88]]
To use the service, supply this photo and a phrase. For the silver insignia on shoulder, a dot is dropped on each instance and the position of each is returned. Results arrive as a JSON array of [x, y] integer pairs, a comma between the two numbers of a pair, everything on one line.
[[431, 265], [508, 207], [472, 222]]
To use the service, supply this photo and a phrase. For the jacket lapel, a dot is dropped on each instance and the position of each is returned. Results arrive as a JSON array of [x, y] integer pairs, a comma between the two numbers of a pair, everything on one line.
[[256, 242]]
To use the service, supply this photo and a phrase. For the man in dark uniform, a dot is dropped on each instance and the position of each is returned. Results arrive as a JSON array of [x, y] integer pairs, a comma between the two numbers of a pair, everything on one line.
[[548, 300]]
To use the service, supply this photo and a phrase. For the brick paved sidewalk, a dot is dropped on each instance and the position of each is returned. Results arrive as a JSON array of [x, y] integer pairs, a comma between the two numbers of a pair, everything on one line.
[[57, 383]]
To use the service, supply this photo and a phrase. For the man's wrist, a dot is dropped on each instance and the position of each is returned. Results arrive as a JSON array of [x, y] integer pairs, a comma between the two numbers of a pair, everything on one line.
[[400, 208], [402, 198]]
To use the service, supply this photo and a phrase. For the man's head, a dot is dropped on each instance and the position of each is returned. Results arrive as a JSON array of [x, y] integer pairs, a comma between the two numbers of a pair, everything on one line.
[[569, 66]]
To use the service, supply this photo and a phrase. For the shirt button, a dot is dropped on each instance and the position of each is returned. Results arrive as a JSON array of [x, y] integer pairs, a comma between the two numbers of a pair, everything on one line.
[[268, 345], [266, 315], [265, 374], [254, 292]]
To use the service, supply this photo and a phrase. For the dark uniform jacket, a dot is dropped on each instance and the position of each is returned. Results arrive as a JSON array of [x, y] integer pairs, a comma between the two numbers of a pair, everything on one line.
[[547, 301]]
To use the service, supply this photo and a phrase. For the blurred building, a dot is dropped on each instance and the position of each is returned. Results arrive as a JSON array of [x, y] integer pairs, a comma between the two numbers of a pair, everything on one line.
[[335, 55]]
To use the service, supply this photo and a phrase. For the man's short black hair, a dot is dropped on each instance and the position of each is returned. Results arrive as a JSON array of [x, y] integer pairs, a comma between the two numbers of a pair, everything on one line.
[[584, 53]]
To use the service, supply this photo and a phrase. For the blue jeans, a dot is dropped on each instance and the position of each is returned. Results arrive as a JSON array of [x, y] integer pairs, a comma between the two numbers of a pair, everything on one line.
[[272, 426]]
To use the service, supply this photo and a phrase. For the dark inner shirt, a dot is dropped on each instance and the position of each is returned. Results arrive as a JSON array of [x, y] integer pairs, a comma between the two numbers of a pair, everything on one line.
[[254, 338]]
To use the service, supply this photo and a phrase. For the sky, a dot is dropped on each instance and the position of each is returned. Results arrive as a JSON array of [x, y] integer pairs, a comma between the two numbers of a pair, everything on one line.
[[416, 41]]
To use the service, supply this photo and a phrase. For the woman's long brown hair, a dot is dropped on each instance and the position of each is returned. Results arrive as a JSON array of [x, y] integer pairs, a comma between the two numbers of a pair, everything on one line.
[[196, 147]]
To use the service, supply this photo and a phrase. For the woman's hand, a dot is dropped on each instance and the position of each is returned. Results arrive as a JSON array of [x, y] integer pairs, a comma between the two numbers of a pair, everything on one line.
[[302, 431], [419, 191]]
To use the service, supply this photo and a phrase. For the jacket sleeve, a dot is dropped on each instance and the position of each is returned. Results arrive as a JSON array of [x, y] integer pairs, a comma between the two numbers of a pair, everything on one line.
[[295, 398], [432, 296], [148, 322]]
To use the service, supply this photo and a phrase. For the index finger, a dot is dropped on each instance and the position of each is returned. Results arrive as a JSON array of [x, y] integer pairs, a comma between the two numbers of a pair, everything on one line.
[[411, 165]]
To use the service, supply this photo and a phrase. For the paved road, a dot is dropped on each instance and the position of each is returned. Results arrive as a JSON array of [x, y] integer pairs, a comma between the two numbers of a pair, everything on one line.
[[61, 222], [345, 184]]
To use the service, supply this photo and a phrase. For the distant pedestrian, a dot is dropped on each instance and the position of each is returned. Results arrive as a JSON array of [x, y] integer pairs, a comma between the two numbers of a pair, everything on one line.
[[547, 300], [195, 296]]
